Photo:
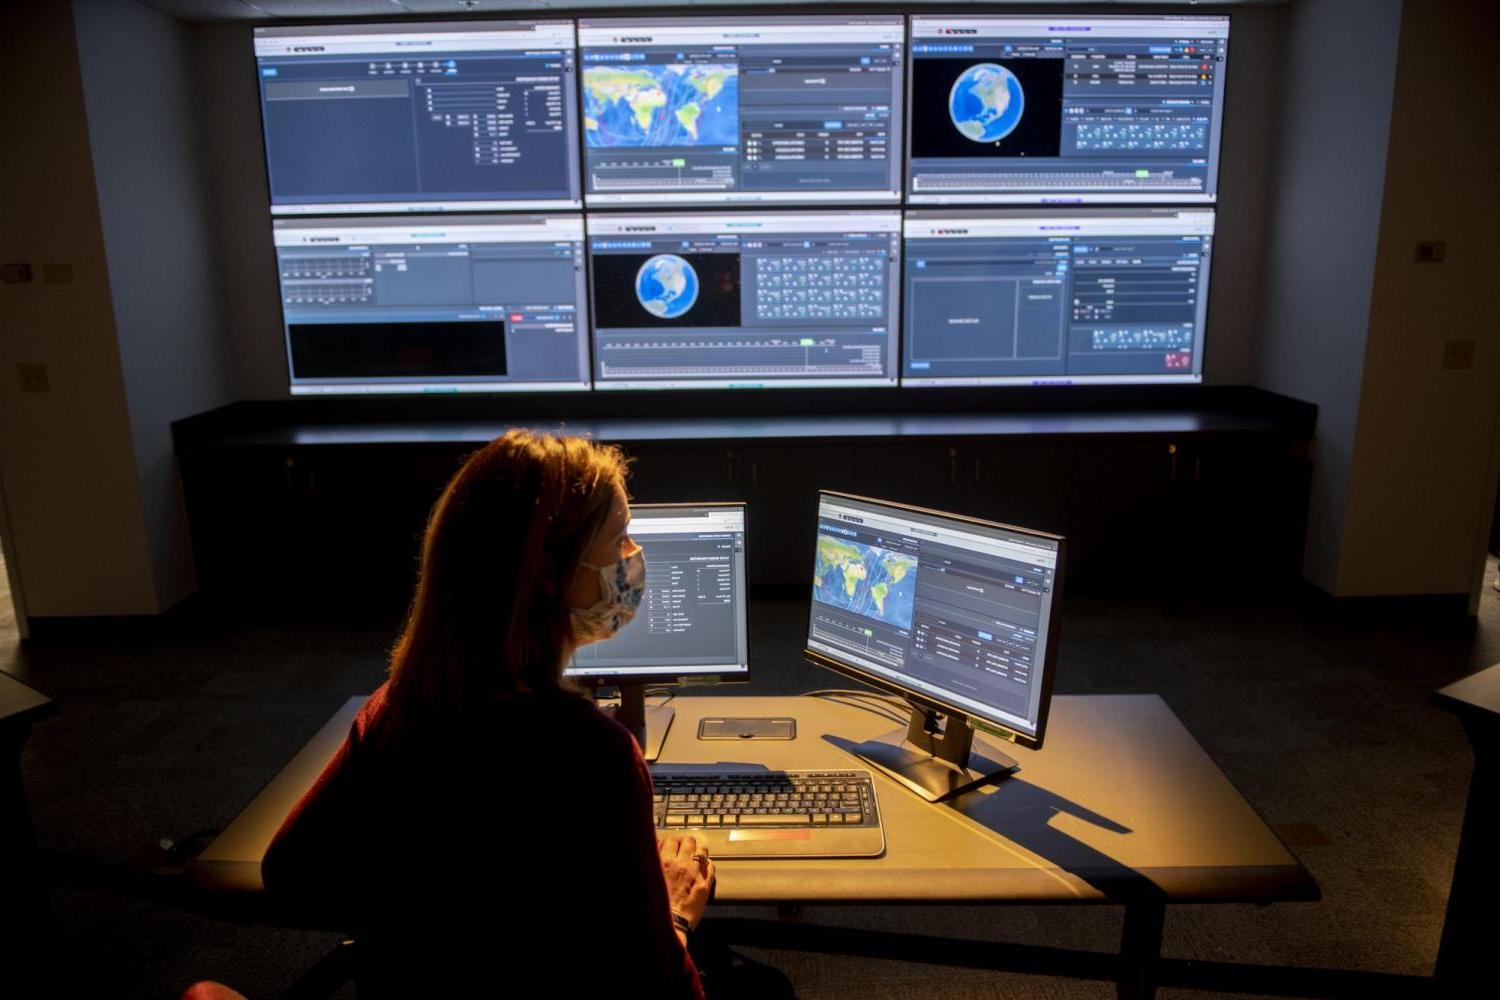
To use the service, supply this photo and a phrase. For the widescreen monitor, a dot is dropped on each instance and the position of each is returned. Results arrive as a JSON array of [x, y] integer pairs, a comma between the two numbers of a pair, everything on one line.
[[745, 299], [722, 110], [1055, 296], [444, 304], [411, 117], [1059, 109], [957, 615]]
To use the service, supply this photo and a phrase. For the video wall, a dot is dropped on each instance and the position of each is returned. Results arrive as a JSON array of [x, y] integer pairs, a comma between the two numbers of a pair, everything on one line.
[[743, 201]]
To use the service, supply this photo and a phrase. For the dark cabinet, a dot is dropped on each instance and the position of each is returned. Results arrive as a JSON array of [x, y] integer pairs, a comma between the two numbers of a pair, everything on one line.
[[287, 518]]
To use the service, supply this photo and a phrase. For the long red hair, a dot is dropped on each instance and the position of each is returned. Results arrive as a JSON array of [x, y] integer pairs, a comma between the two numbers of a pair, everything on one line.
[[502, 545]]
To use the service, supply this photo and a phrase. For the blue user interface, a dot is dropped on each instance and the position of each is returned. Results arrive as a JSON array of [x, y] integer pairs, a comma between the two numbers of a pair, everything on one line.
[[784, 110], [420, 117], [433, 304], [1066, 110], [1046, 297], [749, 299]]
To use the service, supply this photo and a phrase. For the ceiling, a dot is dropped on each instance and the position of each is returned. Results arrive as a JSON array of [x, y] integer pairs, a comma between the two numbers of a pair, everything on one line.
[[206, 11]]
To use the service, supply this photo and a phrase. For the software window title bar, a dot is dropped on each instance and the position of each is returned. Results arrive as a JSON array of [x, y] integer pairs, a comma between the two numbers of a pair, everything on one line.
[[951, 28], [633, 34], [645, 524], [1020, 551], [414, 39], [443, 232], [972, 227], [647, 225]]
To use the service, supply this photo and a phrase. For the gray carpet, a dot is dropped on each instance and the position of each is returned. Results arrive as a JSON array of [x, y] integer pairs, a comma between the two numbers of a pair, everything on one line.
[[1323, 720]]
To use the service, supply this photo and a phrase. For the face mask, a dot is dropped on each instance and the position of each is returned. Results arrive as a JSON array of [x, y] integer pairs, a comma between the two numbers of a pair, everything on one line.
[[621, 586]]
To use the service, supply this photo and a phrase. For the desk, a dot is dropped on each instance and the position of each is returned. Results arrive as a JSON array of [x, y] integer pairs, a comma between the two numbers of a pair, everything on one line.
[[1122, 806], [1466, 948], [26, 921]]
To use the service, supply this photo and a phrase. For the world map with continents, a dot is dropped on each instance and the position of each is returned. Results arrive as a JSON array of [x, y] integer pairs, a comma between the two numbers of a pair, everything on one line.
[[673, 104], [865, 579]]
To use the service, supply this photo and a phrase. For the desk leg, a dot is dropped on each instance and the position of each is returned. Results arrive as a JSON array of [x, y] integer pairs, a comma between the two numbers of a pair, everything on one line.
[[1140, 949]]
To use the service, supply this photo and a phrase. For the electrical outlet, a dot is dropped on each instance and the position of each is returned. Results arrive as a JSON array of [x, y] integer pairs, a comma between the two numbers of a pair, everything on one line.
[[33, 377], [1458, 353]]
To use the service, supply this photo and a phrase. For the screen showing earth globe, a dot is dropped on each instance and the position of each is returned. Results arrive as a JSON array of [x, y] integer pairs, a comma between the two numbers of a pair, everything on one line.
[[986, 102], [666, 286]]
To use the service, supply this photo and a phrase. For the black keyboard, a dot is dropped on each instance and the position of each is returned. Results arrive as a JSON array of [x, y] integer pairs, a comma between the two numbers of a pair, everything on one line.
[[707, 800]]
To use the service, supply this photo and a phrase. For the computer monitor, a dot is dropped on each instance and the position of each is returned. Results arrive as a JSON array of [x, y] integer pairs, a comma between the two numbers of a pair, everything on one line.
[[692, 624], [724, 110], [442, 304], [1057, 109], [1055, 296], [435, 117], [745, 299], [955, 614]]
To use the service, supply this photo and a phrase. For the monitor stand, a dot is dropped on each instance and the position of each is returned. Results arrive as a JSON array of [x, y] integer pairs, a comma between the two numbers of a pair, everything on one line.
[[936, 759], [647, 723]]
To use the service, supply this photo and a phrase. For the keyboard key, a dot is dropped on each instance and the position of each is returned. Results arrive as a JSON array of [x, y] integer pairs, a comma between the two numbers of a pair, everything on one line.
[[775, 819]]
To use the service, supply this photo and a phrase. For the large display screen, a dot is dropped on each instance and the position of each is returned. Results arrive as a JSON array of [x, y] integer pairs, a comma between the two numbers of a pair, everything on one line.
[[745, 299], [714, 110], [464, 115], [1055, 297], [1048, 109], [433, 304]]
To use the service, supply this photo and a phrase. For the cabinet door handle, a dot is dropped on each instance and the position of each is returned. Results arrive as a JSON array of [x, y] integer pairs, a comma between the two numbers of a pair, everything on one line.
[[754, 473]]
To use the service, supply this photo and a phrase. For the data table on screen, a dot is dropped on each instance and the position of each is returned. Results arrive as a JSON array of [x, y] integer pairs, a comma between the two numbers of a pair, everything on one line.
[[1055, 296], [433, 304], [720, 110], [456, 116], [745, 299], [1047, 109]]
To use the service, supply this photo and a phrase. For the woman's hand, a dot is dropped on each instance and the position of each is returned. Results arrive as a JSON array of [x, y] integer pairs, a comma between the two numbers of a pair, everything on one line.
[[690, 875]]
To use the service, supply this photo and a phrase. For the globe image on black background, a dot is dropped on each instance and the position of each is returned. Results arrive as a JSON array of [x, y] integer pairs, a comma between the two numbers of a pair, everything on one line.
[[666, 286], [986, 102]]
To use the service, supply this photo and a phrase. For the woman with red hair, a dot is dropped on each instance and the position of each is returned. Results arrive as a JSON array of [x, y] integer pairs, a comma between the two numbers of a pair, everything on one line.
[[484, 827]]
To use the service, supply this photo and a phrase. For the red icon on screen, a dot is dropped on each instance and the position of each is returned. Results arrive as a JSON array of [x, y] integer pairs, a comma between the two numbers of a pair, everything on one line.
[[516, 317], [1179, 361]]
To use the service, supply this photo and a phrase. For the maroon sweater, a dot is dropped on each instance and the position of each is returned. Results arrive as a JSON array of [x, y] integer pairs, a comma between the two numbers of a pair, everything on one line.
[[494, 853]]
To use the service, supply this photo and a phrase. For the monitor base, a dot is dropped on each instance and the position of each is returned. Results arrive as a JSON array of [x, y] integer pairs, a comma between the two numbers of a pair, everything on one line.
[[647, 723], [935, 760]]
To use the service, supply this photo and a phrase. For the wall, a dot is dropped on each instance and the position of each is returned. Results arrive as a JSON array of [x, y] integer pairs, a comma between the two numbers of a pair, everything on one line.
[[77, 534], [237, 167], [1325, 225], [1421, 479], [140, 90]]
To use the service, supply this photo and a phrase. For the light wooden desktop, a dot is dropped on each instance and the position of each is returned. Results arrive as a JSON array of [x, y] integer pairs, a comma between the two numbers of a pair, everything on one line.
[[1120, 806]]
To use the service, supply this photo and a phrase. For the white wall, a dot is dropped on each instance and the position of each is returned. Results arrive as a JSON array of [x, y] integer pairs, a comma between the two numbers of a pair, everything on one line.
[[77, 533], [1421, 479], [140, 90], [237, 167], [1334, 122]]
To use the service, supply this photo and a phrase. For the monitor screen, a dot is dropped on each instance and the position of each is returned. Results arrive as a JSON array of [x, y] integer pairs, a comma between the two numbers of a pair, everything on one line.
[[1056, 296], [436, 304], [456, 116], [719, 110], [745, 299], [957, 612], [1049, 109], [692, 620]]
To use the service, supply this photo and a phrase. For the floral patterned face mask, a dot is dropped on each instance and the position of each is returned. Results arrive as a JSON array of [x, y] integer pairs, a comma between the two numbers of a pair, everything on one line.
[[622, 584]]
